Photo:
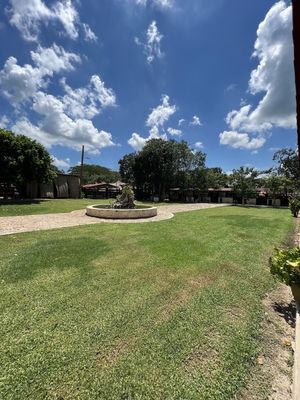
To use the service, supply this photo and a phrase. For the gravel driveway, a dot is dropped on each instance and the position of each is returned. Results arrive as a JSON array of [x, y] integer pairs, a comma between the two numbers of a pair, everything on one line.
[[28, 223]]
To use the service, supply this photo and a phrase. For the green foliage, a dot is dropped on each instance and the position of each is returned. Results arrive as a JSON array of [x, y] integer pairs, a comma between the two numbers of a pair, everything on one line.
[[125, 199], [285, 265], [276, 184], [288, 166], [95, 173], [162, 164], [294, 207], [23, 159], [127, 168], [244, 181]]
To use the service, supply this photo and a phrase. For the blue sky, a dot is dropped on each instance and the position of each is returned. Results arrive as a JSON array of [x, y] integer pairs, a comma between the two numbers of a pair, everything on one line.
[[111, 74]]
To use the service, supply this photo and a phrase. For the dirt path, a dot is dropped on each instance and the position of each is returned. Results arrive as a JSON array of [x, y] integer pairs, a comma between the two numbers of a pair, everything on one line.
[[28, 223]]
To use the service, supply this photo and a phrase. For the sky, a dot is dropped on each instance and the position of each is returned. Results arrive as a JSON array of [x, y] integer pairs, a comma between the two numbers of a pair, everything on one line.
[[112, 74]]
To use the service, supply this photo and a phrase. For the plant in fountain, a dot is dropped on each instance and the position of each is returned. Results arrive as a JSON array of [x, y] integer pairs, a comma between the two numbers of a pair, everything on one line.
[[125, 199]]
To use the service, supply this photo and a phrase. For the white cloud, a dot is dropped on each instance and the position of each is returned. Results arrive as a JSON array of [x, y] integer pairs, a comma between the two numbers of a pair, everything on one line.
[[63, 130], [161, 114], [68, 16], [155, 121], [181, 121], [159, 3], [58, 129], [54, 59], [88, 101], [174, 132], [89, 35], [28, 16], [198, 145], [61, 164], [196, 121], [152, 46], [274, 76], [241, 140], [20, 83], [137, 142], [4, 122], [64, 120]]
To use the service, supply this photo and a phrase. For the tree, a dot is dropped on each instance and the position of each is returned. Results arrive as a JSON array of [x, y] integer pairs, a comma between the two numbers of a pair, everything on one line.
[[23, 160], [278, 185], [127, 168], [95, 173], [160, 165], [244, 181], [216, 178], [288, 166]]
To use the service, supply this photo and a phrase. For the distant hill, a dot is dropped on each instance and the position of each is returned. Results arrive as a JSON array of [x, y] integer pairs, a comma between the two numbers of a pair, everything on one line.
[[95, 173]]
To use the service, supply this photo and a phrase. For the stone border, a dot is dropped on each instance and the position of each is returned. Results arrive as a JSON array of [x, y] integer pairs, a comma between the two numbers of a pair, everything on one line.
[[120, 213]]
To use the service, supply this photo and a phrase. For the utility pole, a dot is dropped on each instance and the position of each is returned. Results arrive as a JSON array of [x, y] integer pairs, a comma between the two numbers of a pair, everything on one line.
[[81, 168], [296, 39]]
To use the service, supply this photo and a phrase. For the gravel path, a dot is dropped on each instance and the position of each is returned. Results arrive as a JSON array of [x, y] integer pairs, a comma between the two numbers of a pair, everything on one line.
[[28, 223]]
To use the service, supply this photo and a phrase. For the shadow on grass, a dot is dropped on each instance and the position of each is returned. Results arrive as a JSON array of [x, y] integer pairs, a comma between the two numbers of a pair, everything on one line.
[[55, 255], [243, 221], [286, 311], [6, 202]]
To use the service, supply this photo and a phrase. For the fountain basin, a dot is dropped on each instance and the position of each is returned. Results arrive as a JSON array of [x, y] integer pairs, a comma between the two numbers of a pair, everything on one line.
[[105, 211]]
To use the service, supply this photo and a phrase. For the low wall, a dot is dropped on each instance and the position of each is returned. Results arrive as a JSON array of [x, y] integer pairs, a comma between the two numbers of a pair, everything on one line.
[[117, 213], [227, 200]]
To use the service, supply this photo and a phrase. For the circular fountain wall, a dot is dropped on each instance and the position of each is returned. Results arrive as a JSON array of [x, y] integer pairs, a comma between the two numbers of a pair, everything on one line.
[[104, 211]]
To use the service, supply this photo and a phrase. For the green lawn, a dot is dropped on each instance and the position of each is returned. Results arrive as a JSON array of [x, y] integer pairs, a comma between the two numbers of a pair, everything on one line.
[[41, 206], [165, 310]]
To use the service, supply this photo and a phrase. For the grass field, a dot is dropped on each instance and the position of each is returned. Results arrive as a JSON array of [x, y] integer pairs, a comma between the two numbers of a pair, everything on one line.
[[165, 310], [41, 206]]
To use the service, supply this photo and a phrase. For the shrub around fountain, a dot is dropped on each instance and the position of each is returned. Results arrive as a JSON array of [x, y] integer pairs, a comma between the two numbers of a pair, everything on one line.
[[125, 199]]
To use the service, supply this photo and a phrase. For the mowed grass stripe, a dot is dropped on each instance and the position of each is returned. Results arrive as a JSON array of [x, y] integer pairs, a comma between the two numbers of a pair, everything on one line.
[[165, 310]]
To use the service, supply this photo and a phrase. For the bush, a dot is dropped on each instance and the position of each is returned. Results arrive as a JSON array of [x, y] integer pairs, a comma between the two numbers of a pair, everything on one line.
[[295, 207], [285, 265]]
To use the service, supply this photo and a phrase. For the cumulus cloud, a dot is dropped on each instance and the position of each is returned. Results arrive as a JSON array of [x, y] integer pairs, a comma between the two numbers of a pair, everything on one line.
[[241, 140], [54, 59], [65, 123], [56, 128], [152, 45], [274, 76], [28, 16], [174, 132], [61, 164], [155, 121], [137, 142], [181, 121], [161, 114], [64, 120], [196, 121], [20, 83], [87, 101]]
